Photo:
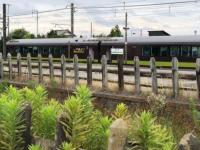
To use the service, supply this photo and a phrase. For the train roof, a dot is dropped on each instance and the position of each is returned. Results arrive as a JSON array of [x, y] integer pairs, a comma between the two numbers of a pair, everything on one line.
[[142, 40]]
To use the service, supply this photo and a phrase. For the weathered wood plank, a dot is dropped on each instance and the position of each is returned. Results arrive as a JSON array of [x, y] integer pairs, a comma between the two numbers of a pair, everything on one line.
[[154, 82], [9, 66], [89, 71], [60, 133], [29, 65], [76, 71], [198, 76], [40, 68], [27, 121], [137, 75], [1, 66], [104, 72], [175, 78], [19, 67], [51, 67], [63, 69], [120, 73]]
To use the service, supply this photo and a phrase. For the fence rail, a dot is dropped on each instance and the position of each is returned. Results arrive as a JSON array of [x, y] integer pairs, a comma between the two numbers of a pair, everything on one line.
[[15, 67]]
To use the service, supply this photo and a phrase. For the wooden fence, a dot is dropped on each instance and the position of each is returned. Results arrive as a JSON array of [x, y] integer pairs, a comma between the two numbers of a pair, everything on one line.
[[174, 75]]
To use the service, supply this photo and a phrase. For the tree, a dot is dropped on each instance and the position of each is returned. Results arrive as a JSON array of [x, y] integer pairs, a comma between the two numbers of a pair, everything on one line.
[[54, 34], [115, 32], [100, 35], [21, 34]]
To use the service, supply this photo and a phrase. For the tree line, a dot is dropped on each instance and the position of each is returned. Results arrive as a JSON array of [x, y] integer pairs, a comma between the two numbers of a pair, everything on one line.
[[24, 34]]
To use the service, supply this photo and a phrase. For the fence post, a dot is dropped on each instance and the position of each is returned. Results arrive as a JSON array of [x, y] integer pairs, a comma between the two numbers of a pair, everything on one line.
[[51, 68], [120, 73], [63, 69], [40, 68], [9, 66], [104, 72], [175, 82], [60, 136], [198, 76], [19, 69], [27, 117], [118, 135], [1, 66], [89, 71], [29, 66], [76, 71], [154, 82], [137, 75]]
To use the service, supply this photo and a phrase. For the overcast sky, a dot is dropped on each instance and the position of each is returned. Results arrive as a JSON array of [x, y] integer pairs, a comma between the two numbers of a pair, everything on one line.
[[182, 19]]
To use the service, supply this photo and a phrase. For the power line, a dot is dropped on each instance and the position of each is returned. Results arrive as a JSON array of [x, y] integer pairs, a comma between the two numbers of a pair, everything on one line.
[[139, 5], [109, 7], [41, 12]]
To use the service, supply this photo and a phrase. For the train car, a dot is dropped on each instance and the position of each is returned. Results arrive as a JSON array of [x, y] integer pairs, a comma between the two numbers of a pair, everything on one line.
[[163, 48]]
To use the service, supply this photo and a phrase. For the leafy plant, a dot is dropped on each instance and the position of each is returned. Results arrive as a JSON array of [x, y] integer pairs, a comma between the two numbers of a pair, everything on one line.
[[195, 113], [79, 117], [121, 111], [36, 97], [47, 120], [32, 84], [3, 86], [34, 147], [146, 134], [67, 146], [98, 139], [84, 94], [11, 124]]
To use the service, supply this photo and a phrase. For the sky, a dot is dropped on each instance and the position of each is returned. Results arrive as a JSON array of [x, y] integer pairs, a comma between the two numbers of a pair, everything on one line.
[[176, 19]]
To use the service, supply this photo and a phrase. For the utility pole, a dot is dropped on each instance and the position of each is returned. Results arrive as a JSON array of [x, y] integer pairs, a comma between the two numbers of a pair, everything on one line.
[[37, 23], [72, 18], [126, 40], [8, 14], [91, 30], [4, 31]]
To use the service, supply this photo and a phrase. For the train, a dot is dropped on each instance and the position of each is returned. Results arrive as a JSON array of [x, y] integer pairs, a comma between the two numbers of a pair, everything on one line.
[[163, 48]]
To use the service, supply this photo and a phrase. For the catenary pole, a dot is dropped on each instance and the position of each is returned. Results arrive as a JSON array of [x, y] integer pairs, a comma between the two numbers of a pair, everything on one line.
[[72, 18], [4, 31]]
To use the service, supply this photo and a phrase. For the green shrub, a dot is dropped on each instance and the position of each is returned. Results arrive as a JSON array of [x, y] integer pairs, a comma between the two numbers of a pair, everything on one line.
[[121, 111], [32, 84], [98, 139], [3, 86], [47, 120], [67, 146], [37, 98], [11, 124], [34, 147], [194, 112], [79, 117], [147, 134]]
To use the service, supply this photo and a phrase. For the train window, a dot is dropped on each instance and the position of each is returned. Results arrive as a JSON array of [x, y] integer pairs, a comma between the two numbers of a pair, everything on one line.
[[185, 51], [155, 50], [146, 51], [17, 49], [35, 50], [194, 52], [174, 50], [164, 51]]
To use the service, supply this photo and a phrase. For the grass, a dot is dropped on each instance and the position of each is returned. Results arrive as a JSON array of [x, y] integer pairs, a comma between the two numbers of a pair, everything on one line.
[[165, 64], [129, 62]]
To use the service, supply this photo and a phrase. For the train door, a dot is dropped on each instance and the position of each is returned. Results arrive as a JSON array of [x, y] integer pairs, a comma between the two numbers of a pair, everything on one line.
[[108, 55], [91, 53]]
